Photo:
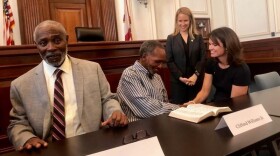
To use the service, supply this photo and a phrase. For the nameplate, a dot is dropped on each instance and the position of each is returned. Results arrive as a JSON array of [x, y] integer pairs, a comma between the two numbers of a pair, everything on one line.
[[244, 120]]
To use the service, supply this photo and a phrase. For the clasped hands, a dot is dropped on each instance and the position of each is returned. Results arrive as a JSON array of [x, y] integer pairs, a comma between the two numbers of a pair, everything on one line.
[[189, 81], [117, 119]]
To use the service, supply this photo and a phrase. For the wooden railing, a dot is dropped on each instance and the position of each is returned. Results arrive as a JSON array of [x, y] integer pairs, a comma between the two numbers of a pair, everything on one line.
[[261, 56]]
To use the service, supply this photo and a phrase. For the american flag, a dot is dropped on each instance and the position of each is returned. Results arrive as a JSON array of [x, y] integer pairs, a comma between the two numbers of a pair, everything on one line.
[[127, 22], [9, 23]]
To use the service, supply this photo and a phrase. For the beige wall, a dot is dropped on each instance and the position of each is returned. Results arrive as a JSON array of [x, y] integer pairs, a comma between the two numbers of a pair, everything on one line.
[[250, 19]]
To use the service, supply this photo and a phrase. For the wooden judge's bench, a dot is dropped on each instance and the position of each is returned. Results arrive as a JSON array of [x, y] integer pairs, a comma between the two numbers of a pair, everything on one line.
[[261, 56]]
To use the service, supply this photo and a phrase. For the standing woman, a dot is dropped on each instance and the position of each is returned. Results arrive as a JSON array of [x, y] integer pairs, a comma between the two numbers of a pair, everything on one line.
[[185, 51], [227, 70]]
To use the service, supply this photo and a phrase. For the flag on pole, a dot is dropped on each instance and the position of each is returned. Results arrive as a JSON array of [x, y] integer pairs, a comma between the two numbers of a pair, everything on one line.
[[9, 23], [127, 22]]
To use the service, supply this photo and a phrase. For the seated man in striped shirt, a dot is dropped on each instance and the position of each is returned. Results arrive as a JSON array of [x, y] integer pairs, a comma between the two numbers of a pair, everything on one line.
[[141, 89]]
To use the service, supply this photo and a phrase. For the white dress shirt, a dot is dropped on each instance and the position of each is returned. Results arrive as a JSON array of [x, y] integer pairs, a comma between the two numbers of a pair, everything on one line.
[[72, 121]]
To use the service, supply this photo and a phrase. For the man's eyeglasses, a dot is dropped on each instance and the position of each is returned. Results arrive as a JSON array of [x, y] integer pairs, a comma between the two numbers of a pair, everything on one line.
[[139, 135]]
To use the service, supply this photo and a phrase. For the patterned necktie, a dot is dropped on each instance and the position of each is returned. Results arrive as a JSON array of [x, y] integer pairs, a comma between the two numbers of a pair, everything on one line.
[[58, 127]]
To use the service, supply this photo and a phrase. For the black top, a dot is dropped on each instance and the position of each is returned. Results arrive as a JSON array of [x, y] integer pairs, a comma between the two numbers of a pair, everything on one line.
[[223, 79], [190, 70]]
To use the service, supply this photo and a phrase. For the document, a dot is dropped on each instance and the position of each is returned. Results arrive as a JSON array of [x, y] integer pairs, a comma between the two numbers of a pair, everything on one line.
[[146, 147], [197, 112]]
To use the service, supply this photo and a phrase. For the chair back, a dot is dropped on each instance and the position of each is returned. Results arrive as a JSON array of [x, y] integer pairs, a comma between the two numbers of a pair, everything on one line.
[[267, 80], [86, 34], [253, 87]]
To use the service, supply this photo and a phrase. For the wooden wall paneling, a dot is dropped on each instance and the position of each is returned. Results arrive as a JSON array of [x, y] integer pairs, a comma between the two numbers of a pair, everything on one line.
[[5, 107], [103, 15], [88, 10], [31, 12], [262, 56], [67, 1], [71, 15], [262, 51], [94, 12], [109, 20], [16, 60]]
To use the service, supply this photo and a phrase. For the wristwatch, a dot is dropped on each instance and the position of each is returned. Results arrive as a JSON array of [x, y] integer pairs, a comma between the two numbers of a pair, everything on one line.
[[196, 73]]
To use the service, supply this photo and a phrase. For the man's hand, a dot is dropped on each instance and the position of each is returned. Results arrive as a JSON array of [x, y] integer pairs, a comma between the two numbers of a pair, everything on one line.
[[33, 142], [117, 119]]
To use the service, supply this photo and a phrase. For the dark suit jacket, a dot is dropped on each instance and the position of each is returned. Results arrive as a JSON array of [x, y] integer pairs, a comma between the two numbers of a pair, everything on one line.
[[31, 112], [176, 56]]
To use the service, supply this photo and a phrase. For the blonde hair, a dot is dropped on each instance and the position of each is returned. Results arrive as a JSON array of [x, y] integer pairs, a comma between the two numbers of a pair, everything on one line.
[[192, 27]]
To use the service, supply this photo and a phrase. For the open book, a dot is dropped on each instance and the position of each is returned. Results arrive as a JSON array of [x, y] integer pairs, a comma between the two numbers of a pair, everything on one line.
[[197, 112]]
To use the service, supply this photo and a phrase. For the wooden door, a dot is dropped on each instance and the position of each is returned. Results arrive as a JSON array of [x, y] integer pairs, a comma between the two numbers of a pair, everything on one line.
[[71, 16], [71, 13]]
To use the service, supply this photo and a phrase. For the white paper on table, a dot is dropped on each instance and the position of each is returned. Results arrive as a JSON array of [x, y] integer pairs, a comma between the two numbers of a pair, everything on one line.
[[146, 147]]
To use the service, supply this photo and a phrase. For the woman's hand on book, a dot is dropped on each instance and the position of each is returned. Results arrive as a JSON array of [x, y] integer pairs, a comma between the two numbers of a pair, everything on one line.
[[187, 103], [183, 105]]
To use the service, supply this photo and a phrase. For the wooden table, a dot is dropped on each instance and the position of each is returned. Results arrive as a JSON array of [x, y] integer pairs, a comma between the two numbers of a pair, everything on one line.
[[176, 137]]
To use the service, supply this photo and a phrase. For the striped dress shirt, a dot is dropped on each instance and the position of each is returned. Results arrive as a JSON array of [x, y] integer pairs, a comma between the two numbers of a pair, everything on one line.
[[142, 96]]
